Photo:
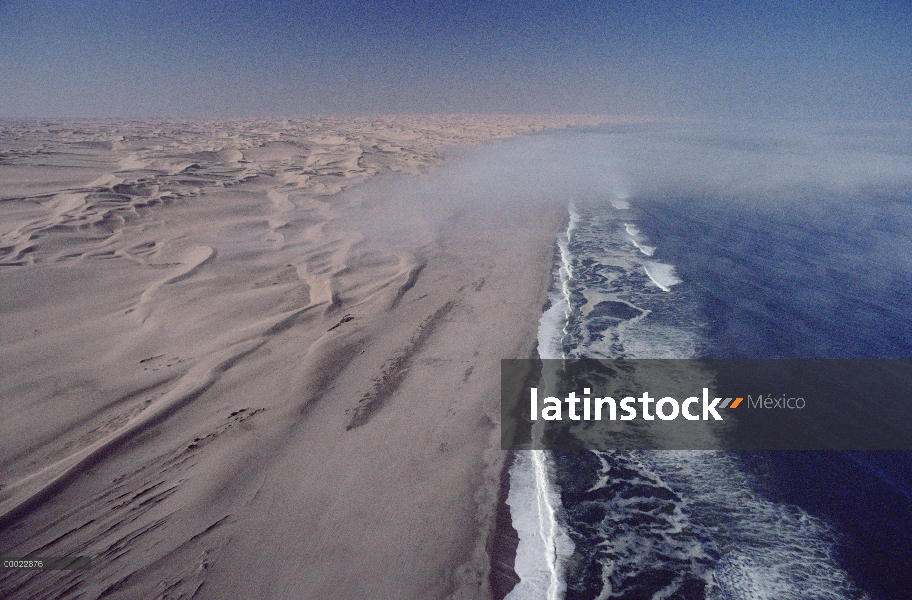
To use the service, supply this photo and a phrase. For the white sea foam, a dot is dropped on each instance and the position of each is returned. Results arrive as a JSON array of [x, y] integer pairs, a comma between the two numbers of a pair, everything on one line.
[[533, 499], [543, 544], [647, 250], [661, 274], [643, 339], [552, 326], [768, 550], [619, 201], [619, 204], [637, 239]]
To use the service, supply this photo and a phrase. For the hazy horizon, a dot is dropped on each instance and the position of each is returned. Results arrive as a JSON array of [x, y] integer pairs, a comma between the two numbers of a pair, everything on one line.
[[764, 61]]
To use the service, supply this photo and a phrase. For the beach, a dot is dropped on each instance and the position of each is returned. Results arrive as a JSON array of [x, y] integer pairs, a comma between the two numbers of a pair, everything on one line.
[[240, 359]]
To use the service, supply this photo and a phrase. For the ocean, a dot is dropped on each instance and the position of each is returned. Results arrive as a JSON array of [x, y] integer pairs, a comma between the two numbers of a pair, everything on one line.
[[726, 241]]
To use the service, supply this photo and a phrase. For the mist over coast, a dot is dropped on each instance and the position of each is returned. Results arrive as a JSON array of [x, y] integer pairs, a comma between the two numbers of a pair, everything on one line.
[[260, 261]]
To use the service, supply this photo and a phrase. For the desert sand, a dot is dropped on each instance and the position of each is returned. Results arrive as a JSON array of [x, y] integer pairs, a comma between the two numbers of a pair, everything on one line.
[[233, 365]]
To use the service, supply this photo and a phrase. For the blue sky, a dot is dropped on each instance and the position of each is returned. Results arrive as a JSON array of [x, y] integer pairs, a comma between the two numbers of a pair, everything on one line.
[[718, 60]]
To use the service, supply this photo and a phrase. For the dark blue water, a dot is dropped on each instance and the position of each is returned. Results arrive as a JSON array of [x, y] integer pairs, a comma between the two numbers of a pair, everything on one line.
[[807, 273], [734, 241], [814, 276]]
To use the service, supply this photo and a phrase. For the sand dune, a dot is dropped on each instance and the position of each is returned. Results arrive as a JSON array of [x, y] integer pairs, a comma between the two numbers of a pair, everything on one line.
[[222, 375]]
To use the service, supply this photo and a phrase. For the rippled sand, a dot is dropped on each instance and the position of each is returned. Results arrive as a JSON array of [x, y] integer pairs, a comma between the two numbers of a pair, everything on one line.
[[230, 367]]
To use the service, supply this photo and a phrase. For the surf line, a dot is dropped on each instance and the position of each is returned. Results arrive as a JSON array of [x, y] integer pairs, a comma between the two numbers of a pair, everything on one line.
[[547, 520], [549, 529]]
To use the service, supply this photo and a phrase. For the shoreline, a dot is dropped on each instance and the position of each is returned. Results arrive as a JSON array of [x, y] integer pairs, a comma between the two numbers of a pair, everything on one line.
[[302, 384]]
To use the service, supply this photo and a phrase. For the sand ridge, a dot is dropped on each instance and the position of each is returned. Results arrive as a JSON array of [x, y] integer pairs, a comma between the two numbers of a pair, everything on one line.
[[216, 365]]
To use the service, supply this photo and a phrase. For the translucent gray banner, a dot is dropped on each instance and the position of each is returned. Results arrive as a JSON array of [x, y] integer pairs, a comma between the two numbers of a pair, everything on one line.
[[706, 404]]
